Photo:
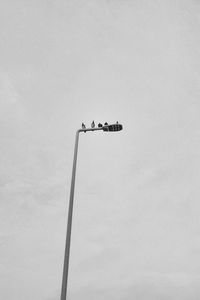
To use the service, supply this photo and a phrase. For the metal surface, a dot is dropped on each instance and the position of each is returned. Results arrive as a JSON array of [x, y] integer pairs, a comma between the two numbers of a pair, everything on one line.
[[69, 224]]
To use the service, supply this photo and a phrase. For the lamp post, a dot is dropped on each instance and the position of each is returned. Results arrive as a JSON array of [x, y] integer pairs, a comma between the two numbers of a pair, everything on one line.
[[106, 128]]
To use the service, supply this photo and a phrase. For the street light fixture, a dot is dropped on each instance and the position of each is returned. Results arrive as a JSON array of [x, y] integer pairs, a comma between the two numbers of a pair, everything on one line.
[[113, 127], [107, 128]]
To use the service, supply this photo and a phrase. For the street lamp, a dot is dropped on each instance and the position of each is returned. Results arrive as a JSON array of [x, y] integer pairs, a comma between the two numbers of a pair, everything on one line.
[[106, 128]]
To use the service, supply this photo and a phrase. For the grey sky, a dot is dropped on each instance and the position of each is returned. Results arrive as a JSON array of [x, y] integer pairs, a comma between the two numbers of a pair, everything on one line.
[[136, 215]]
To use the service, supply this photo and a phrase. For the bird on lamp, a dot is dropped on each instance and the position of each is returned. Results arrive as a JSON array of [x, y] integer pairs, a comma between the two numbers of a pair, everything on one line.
[[83, 126]]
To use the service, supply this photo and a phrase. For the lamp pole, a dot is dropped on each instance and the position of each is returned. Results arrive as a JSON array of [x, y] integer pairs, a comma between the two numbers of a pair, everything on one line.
[[113, 127]]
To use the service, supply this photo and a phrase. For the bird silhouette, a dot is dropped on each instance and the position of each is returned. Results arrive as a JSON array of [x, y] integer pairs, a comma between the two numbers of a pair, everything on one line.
[[117, 122], [93, 124], [83, 126], [100, 125], [105, 123]]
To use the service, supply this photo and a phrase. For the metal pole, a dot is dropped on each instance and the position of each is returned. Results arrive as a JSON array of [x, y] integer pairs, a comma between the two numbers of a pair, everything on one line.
[[69, 224], [71, 200]]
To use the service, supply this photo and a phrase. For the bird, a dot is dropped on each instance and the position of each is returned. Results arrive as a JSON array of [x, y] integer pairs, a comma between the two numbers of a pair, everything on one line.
[[93, 124], [83, 126], [105, 123], [117, 122], [100, 125]]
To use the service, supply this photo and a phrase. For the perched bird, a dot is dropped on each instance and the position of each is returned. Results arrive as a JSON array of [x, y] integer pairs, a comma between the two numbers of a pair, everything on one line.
[[117, 122], [100, 125], [106, 123], [83, 126], [93, 124]]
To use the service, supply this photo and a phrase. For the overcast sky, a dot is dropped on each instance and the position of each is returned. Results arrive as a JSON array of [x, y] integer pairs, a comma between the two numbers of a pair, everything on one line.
[[136, 212]]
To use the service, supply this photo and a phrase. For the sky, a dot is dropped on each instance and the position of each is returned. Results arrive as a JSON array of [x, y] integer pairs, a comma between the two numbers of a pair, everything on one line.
[[136, 219]]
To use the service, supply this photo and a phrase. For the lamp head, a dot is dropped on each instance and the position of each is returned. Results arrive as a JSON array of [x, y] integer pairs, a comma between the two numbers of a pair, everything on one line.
[[112, 127]]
